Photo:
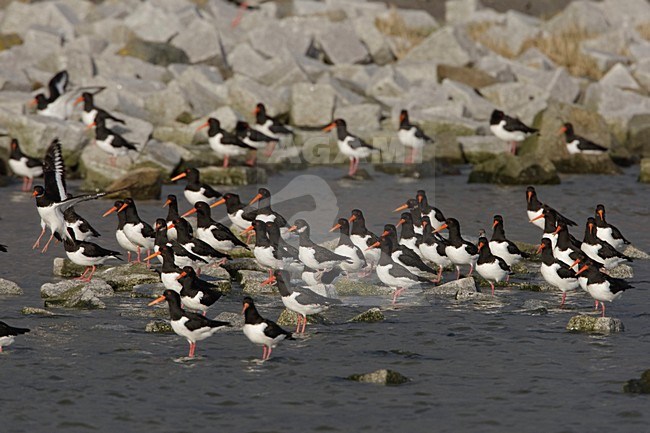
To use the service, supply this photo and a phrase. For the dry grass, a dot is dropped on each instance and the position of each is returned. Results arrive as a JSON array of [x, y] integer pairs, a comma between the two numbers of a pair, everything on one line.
[[404, 37], [644, 30], [563, 49]]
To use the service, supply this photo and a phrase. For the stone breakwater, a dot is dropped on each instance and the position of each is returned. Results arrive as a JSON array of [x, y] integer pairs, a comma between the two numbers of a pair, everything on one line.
[[168, 65]]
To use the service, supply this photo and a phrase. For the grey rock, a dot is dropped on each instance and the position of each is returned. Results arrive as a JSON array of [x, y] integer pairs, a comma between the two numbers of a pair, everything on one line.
[[477, 107], [450, 289], [246, 61], [595, 325], [311, 104], [65, 268], [374, 40], [520, 99], [67, 289], [153, 23], [210, 48], [236, 265], [518, 29], [506, 169], [443, 46], [236, 320], [481, 148], [365, 115], [33, 311], [203, 89], [534, 58], [578, 14], [159, 326], [642, 72], [18, 17], [9, 288], [233, 175], [458, 11], [621, 271], [341, 44], [631, 250], [168, 105], [157, 53], [638, 386], [350, 287], [284, 72], [387, 82], [124, 277], [86, 299], [244, 93], [370, 316], [380, 377], [289, 318], [251, 282], [152, 290], [619, 77]]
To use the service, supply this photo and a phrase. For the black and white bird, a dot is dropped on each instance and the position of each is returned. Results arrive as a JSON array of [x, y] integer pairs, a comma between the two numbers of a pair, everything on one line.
[[266, 214], [120, 235], [270, 127], [197, 294], [350, 145], [599, 250], [222, 142], [404, 255], [264, 251], [436, 217], [601, 286], [608, 232], [286, 252], [510, 129], [392, 273], [239, 215], [82, 228], [53, 199], [411, 136], [181, 256], [408, 235], [196, 191], [459, 251], [197, 246], [300, 300], [90, 110], [261, 331], [433, 247], [192, 326], [363, 238], [313, 255], [321, 279], [87, 254], [347, 248], [253, 138], [172, 213], [555, 272], [136, 230], [535, 210], [57, 104], [413, 206], [577, 144], [169, 271], [110, 141], [9, 333], [215, 234], [493, 268], [24, 166], [566, 249], [502, 247]]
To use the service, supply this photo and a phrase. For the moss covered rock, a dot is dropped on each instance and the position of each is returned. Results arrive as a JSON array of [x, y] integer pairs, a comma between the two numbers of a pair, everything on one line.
[[370, 316], [349, 287], [507, 169], [594, 325], [638, 386], [159, 327], [289, 318], [9, 288], [380, 377]]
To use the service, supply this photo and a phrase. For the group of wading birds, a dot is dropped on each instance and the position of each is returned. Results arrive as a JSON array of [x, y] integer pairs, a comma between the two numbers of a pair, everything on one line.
[[400, 261]]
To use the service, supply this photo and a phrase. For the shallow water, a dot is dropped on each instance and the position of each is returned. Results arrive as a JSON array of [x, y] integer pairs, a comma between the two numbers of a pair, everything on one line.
[[471, 369]]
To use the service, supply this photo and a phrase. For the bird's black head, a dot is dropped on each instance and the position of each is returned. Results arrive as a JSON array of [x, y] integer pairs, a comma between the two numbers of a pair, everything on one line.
[[171, 198], [356, 215], [241, 126], [265, 193], [496, 117], [404, 116], [189, 271], [498, 220], [300, 226], [600, 212], [14, 144], [343, 225], [389, 230], [406, 218], [202, 207], [247, 303], [160, 224], [39, 191], [567, 128], [41, 101], [482, 243], [260, 109], [530, 193], [282, 276], [87, 97]]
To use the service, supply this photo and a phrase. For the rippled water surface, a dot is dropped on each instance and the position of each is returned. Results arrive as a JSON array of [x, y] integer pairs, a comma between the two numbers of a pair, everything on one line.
[[491, 369]]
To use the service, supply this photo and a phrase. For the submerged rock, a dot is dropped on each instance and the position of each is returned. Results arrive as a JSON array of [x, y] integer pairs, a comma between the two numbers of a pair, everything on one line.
[[76, 294], [243, 264], [452, 288], [644, 174], [349, 287], [507, 169], [594, 325], [158, 53], [370, 316], [586, 164], [380, 377], [289, 318], [638, 386], [621, 271], [9, 288], [33, 311], [635, 253], [159, 326], [123, 278], [251, 282], [65, 268], [415, 171]]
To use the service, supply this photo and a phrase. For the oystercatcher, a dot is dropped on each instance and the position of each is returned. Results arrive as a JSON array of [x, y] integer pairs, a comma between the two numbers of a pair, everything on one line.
[[459, 251], [289, 254], [436, 218], [347, 248], [182, 257], [120, 235], [224, 143], [90, 110], [109, 141], [197, 246], [53, 200], [57, 104], [215, 234], [411, 136], [433, 247], [253, 138], [408, 237], [25, 166], [416, 213], [489, 266], [601, 286], [555, 272], [192, 326], [403, 254], [502, 247], [266, 254], [172, 213], [270, 127], [363, 238], [137, 231], [81, 228], [241, 217], [8, 333], [196, 191], [577, 144], [535, 210], [197, 294], [350, 145], [393, 274], [565, 249], [266, 214], [608, 232], [169, 272], [261, 331], [510, 129], [300, 300], [312, 254], [87, 254], [314, 278], [599, 250]]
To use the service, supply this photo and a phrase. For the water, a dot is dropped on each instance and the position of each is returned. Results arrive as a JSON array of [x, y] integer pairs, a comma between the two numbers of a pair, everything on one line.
[[471, 369]]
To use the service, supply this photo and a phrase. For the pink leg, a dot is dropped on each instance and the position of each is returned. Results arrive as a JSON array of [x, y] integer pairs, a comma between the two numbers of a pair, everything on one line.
[[192, 348], [298, 319], [457, 272], [396, 294], [0, 349], [148, 260], [471, 269], [225, 161], [268, 354], [439, 274], [37, 244], [602, 304], [47, 245], [128, 256], [596, 304], [92, 273], [23, 188], [251, 161], [270, 148], [508, 278], [240, 15], [30, 182], [356, 165], [563, 299], [264, 353], [81, 277], [304, 324], [492, 287], [351, 168], [138, 260]]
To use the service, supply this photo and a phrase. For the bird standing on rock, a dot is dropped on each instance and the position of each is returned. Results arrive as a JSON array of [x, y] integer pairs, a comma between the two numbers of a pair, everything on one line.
[[110, 141], [577, 144], [510, 129], [87, 254], [222, 142], [90, 110], [196, 191], [350, 145], [459, 251], [411, 136], [270, 127], [25, 166], [489, 266]]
